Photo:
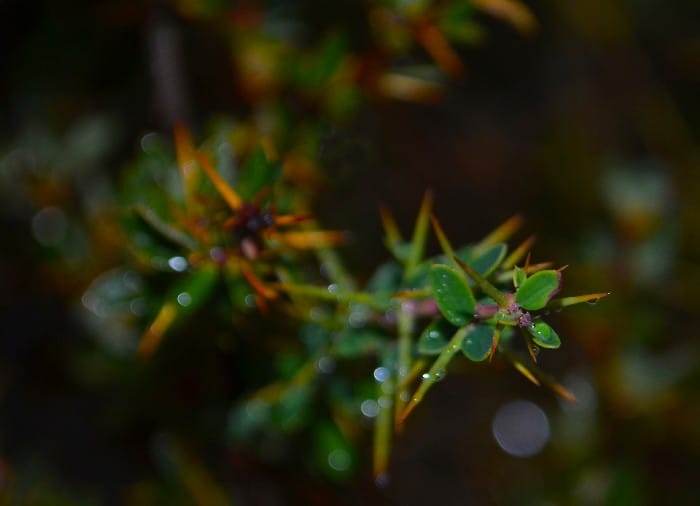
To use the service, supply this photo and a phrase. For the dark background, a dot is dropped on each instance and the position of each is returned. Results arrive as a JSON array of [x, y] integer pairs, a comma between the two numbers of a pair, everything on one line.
[[588, 128]]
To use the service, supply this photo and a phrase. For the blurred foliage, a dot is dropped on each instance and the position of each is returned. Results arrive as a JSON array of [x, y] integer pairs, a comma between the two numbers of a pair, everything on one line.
[[185, 321]]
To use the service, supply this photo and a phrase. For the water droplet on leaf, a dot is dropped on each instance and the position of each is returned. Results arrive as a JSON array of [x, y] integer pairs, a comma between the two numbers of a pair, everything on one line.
[[369, 408], [381, 374], [184, 299], [178, 263]]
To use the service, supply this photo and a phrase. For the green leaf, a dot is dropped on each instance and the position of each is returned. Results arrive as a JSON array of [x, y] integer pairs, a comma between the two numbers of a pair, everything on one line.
[[352, 343], [192, 291], [401, 250], [318, 68], [247, 418], [538, 289], [240, 292], [386, 278], [457, 22], [333, 453], [477, 343], [435, 336], [519, 276], [420, 278], [486, 261], [293, 410], [544, 335], [257, 173], [452, 294]]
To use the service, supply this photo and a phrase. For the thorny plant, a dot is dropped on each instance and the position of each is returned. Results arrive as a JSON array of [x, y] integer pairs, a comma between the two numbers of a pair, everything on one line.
[[412, 317], [233, 219]]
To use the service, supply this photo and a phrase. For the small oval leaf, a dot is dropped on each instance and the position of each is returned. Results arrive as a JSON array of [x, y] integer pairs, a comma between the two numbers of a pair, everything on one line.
[[489, 260], [544, 335], [476, 345], [484, 262], [452, 294], [435, 337], [538, 289]]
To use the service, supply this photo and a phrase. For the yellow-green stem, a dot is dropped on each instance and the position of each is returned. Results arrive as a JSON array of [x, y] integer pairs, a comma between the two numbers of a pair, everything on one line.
[[405, 328], [340, 295], [383, 428], [436, 372]]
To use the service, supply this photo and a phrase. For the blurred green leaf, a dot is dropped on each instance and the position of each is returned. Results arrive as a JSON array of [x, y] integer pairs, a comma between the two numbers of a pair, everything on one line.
[[257, 173], [352, 343], [484, 261], [387, 278], [457, 22], [293, 410], [319, 67], [519, 276], [193, 290], [333, 453]]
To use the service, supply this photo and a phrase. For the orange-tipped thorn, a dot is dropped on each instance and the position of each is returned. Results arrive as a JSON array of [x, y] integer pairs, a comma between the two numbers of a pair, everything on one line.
[[226, 192], [256, 283], [494, 342], [525, 372], [290, 219], [434, 42]]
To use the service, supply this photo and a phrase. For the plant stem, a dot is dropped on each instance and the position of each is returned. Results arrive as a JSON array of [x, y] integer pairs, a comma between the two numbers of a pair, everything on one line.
[[334, 267], [436, 372], [405, 328], [383, 429], [485, 286], [372, 300]]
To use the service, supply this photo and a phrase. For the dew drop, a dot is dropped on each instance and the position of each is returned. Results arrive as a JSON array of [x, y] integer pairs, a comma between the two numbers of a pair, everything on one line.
[[593, 302], [149, 142], [339, 460], [249, 300], [381, 374], [218, 255], [333, 288], [535, 350], [49, 226], [325, 365], [427, 376], [316, 313], [184, 299], [369, 408], [178, 264], [439, 376]]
